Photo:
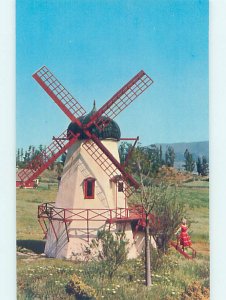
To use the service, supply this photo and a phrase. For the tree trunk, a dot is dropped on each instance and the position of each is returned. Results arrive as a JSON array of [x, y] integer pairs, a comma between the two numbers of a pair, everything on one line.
[[147, 254]]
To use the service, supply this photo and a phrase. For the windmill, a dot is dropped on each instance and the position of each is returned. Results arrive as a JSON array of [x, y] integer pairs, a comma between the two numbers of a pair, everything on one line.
[[94, 188]]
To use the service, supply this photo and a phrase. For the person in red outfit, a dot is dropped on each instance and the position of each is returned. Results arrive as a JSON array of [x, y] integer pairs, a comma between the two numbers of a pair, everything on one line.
[[185, 240]]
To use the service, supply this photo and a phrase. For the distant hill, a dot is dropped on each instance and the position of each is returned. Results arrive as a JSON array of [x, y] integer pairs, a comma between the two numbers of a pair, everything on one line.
[[198, 149]]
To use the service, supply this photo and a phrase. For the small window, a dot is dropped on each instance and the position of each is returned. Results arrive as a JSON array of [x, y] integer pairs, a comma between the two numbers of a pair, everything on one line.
[[89, 188], [120, 186]]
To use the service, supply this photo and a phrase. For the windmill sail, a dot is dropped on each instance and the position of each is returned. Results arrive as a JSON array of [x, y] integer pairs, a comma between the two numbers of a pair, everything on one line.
[[59, 94], [46, 157], [127, 94]]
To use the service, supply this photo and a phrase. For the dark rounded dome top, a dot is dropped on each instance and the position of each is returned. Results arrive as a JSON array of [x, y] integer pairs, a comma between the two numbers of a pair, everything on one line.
[[111, 131]]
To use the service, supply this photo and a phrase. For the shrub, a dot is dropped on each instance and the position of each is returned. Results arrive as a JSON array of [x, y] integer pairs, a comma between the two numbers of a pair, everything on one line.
[[110, 250], [78, 288]]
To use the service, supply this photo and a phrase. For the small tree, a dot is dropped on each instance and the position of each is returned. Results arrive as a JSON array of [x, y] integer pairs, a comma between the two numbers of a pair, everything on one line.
[[148, 198], [159, 200], [202, 166], [168, 211]]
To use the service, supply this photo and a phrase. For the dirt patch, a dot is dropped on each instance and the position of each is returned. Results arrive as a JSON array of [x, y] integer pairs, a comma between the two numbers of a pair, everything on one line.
[[202, 248]]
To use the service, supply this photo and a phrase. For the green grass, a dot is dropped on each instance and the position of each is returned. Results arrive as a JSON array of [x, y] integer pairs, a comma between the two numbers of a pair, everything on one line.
[[197, 201], [47, 278], [44, 278], [26, 212], [197, 184], [194, 197]]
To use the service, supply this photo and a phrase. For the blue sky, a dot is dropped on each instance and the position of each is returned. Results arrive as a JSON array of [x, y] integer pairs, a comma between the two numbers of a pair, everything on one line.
[[95, 47]]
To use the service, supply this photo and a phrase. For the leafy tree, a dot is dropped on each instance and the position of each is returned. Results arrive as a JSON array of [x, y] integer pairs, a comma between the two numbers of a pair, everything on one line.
[[151, 159], [155, 156], [124, 149], [170, 156], [202, 166], [199, 166], [189, 162], [26, 158], [205, 166], [163, 212], [168, 211]]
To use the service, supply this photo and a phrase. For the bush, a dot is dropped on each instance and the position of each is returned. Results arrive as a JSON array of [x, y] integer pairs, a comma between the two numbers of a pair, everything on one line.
[[78, 288], [110, 250]]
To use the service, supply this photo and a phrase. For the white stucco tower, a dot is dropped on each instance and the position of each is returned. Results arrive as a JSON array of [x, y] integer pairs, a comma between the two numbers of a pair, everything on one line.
[[87, 197]]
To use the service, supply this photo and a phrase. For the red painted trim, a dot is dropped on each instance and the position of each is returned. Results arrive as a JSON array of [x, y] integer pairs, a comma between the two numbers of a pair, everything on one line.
[[87, 182]]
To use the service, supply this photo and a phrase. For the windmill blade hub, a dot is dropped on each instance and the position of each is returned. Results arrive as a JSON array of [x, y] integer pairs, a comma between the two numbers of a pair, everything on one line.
[[111, 131]]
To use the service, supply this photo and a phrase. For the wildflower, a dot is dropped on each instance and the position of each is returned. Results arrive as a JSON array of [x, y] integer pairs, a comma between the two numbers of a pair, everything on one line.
[[167, 279]]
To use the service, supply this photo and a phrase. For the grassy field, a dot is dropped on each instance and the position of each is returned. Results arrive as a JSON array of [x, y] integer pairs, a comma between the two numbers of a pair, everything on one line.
[[44, 278]]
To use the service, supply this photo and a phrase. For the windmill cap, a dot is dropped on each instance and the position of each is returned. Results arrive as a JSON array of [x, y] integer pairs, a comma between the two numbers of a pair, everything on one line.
[[111, 131]]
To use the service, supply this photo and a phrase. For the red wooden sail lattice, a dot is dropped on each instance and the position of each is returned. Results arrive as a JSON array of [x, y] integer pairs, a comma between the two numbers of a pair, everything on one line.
[[59, 94], [46, 157], [127, 94]]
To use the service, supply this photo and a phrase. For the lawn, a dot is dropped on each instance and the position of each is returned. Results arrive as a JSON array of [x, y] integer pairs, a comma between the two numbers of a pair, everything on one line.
[[44, 278]]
